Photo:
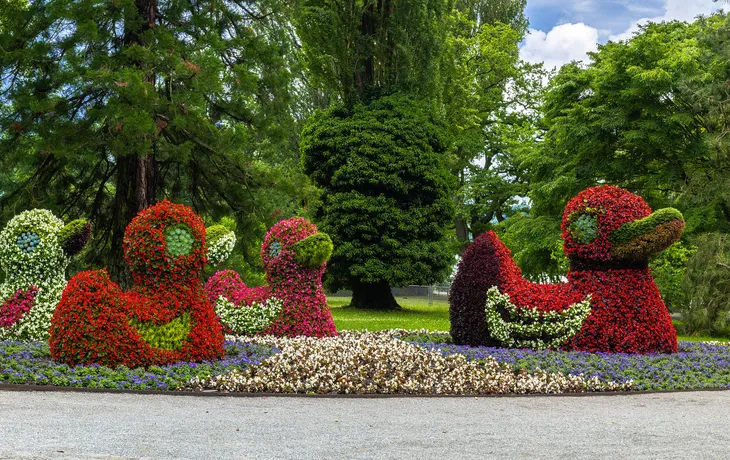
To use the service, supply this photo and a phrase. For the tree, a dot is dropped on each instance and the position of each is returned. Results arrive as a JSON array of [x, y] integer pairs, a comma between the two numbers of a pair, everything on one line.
[[648, 114], [707, 284], [108, 106], [457, 57], [387, 195]]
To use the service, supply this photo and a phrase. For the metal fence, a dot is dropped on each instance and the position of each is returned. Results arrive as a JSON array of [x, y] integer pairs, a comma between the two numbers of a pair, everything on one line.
[[434, 292]]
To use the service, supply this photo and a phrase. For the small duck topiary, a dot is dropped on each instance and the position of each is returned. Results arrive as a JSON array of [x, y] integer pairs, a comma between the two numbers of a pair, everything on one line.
[[294, 255], [164, 318], [35, 250]]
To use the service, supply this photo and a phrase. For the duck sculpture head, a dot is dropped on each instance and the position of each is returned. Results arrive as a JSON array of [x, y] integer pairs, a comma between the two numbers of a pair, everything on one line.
[[607, 225]]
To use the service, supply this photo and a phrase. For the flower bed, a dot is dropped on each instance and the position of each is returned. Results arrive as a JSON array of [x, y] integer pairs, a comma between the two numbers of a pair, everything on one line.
[[358, 362], [391, 361], [30, 363], [697, 365]]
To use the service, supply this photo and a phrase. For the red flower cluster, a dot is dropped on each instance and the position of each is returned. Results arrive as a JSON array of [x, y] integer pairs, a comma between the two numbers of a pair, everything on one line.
[[627, 312], [612, 206], [228, 283], [487, 262], [305, 310], [93, 323], [13, 309]]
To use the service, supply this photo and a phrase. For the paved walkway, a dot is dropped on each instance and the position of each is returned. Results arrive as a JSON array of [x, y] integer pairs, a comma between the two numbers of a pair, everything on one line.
[[102, 425]]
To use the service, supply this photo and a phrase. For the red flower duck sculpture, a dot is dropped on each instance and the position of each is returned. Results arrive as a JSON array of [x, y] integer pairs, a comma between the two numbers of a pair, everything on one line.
[[164, 318], [609, 235], [294, 255]]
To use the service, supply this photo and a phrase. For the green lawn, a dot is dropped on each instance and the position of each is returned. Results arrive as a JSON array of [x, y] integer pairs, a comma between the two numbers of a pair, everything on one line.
[[416, 314]]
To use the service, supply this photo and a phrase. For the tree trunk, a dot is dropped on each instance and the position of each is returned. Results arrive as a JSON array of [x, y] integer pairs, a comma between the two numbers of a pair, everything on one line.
[[365, 66], [373, 296], [136, 181], [136, 184]]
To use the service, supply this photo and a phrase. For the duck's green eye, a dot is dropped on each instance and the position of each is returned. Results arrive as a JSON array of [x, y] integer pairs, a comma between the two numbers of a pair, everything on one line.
[[179, 240], [27, 242], [584, 229], [274, 249]]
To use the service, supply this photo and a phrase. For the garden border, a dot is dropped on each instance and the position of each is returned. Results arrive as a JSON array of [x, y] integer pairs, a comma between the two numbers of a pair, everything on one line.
[[10, 387]]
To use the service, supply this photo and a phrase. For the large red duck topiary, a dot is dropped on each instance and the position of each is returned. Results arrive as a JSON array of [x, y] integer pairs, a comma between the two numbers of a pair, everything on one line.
[[294, 255], [164, 318], [609, 235]]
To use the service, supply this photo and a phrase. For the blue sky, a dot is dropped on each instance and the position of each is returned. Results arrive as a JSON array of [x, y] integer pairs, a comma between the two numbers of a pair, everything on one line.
[[565, 30]]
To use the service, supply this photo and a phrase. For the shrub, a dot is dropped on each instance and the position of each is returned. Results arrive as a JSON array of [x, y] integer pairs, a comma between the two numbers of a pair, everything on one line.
[[707, 284], [668, 270]]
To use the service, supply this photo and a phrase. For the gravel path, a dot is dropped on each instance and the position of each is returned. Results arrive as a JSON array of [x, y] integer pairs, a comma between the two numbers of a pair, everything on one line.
[[103, 425]]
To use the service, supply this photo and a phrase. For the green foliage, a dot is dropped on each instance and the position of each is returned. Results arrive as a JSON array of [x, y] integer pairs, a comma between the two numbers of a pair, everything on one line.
[[631, 230], [668, 270], [536, 246], [585, 228], [74, 236], [358, 48], [314, 250], [649, 114], [387, 191], [214, 233], [179, 240], [707, 287], [219, 128], [168, 336]]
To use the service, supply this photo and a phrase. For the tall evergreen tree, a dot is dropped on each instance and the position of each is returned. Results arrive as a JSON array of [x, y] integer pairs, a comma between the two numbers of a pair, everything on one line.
[[110, 105]]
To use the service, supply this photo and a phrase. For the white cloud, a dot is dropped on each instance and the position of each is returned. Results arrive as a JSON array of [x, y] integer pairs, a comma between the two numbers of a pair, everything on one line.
[[680, 10], [572, 41], [564, 43]]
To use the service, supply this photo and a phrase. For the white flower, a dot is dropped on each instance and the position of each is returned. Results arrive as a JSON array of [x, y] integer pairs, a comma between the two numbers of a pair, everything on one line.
[[530, 327], [221, 249], [357, 362], [42, 264], [248, 320]]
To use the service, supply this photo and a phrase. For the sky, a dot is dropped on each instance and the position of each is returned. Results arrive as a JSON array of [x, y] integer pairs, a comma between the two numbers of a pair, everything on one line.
[[565, 30]]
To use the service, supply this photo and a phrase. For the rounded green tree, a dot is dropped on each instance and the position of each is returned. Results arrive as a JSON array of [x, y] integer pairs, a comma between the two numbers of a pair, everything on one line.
[[386, 198]]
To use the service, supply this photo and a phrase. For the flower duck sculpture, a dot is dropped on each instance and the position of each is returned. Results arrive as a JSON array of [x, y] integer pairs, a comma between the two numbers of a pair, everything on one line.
[[164, 318], [609, 303], [294, 255], [35, 249]]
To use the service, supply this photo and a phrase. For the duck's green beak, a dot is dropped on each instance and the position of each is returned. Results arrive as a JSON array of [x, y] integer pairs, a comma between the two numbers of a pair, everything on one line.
[[314, 250], [640, 239]]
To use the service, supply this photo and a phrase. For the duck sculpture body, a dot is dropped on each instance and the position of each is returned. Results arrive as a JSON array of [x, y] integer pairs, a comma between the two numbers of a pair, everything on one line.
[[609, 235], [164, 318]]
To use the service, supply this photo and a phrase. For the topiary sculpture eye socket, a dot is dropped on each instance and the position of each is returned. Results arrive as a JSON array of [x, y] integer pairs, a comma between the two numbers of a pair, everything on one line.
[[274, 249], [179, 240], [27, 242], [584, 229]]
